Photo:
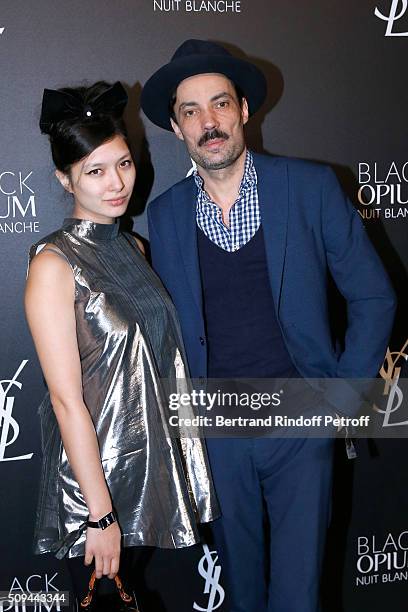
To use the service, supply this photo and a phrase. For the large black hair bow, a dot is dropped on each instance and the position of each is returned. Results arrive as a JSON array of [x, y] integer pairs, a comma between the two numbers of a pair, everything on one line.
[[59, 105]]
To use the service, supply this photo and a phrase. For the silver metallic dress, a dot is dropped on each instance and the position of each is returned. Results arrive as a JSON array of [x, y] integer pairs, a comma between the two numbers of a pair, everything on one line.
[[129, 342]]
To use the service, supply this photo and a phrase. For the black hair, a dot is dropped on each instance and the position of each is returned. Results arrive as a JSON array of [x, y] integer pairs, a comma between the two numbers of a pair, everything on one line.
[[172, 100], [74, 138]]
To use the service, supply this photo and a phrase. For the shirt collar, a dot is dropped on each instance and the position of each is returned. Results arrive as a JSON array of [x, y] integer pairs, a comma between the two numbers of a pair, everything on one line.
[[248, 180]]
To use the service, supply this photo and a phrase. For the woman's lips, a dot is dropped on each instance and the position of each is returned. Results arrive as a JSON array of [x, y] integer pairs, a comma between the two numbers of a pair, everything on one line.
[[117, 201]]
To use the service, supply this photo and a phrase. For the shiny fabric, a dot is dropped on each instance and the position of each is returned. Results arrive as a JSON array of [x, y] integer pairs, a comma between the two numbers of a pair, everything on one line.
[[130, 344]]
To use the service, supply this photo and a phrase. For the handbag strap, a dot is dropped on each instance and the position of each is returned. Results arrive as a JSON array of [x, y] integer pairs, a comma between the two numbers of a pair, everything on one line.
[[87, 600], [91, 590], [122, 593]]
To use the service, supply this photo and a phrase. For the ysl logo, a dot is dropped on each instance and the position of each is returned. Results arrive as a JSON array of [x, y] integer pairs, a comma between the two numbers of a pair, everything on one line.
[[7, 421], [390, 373], [393, 17], [211, 573]]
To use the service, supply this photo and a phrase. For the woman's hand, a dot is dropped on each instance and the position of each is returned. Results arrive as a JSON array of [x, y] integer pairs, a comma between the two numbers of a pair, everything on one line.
[[103, 545]]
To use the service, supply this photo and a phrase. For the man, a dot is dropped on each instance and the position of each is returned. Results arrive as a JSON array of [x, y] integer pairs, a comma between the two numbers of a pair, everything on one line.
[[244, 247]]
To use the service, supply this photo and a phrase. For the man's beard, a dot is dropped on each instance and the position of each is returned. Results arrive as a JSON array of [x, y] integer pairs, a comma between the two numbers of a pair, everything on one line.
[[231, 154]]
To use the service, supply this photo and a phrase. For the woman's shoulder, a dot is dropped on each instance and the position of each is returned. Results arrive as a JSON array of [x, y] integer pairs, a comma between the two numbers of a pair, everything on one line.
[[51, 239], [136, 241], [50, 286], [49, 261]]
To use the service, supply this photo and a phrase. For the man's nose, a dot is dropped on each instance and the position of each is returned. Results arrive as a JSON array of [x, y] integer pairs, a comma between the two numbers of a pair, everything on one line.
[[209, 119]]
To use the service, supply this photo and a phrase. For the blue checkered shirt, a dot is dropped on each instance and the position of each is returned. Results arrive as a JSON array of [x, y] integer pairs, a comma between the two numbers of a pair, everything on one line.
[[244, 216]]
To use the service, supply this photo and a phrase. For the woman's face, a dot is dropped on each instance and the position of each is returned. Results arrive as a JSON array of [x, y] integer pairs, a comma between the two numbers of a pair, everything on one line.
[[102, 182]]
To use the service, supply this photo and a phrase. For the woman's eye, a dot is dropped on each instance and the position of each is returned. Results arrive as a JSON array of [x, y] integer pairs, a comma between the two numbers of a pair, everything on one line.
[[126, 163], [95, 172]]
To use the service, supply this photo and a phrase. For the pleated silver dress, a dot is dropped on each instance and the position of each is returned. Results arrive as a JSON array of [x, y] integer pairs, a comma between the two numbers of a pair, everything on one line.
[[129, 343]]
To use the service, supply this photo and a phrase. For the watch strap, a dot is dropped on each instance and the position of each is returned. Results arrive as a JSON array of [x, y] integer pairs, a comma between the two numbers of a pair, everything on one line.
[[104, 522]]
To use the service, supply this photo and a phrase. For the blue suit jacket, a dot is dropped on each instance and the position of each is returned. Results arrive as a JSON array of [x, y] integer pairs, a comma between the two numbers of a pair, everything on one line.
[[309, 227]]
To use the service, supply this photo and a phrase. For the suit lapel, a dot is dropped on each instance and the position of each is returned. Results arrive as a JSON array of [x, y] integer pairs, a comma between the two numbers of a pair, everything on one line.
[[184, 210], [273, 192]]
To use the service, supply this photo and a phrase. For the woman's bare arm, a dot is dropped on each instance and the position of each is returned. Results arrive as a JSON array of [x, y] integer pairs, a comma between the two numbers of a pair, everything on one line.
[[49, 303]]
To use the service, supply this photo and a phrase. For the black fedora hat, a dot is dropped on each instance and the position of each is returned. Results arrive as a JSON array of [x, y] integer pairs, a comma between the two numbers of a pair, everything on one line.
[[199, 57]]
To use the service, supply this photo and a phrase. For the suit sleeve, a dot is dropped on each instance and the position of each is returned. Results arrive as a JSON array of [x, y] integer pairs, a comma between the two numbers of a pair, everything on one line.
[[154, 239], [360, 277]]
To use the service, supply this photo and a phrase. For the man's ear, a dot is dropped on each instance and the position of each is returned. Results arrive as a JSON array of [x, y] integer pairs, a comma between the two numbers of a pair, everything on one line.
[[64, 180], [244, 111], [176, 129]]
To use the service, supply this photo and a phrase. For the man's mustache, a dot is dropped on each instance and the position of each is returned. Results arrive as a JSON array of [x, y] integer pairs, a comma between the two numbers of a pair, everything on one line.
[[214, 134]]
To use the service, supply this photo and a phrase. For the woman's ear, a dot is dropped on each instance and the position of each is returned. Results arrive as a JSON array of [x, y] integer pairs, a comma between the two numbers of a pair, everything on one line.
[[64, 180]]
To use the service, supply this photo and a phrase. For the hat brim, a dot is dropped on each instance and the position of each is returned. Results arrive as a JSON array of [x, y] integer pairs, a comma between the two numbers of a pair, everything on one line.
[[158, 89]]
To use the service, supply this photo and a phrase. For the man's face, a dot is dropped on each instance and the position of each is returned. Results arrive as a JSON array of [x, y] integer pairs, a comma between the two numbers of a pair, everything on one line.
[[210, 120]]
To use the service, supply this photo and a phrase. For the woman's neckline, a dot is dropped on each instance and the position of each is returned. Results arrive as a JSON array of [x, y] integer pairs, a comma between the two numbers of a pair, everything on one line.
[[83, 228]]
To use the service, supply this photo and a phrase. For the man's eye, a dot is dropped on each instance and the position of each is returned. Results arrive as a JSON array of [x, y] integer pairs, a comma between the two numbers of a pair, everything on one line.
[[223, 104], [189, 113]]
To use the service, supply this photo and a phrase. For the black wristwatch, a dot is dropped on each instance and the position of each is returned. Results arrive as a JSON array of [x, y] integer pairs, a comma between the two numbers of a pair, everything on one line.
[[104, 522]]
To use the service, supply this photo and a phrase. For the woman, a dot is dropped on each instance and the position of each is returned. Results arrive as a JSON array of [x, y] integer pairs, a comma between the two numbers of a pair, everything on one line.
[[106, 334]]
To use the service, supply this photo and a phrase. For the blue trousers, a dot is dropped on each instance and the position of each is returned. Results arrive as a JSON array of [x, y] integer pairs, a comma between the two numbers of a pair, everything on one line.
[[275, 498]]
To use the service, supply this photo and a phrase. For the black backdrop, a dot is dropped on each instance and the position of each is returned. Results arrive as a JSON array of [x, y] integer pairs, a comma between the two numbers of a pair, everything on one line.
[[337, 93]]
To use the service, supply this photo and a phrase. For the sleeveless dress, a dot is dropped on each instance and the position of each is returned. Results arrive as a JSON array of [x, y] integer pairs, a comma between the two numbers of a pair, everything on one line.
[[131, 352]]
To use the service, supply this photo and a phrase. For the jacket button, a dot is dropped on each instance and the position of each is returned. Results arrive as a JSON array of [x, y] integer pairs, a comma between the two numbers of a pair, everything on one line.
[[202, 341]]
